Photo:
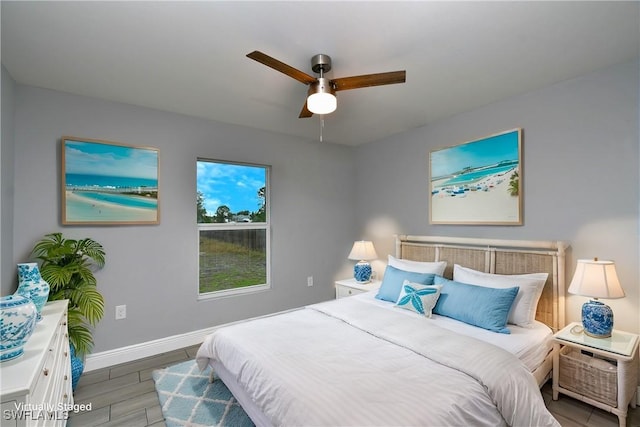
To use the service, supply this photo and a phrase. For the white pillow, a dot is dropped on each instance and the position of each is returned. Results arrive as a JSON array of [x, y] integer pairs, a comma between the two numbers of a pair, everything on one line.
[[418, 297], [523, 311], [417, 266]]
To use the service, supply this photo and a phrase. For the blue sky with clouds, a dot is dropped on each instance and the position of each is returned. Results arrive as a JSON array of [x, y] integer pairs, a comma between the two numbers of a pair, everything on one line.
[[483, 152], [235, 186], [91, 158]]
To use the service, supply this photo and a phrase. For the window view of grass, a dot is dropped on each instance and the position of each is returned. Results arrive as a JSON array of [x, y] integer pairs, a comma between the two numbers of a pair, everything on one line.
[[232, 259], [233, 225]]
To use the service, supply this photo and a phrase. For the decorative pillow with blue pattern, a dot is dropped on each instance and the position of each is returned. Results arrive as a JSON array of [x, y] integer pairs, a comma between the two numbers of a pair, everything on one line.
[[419, 298]]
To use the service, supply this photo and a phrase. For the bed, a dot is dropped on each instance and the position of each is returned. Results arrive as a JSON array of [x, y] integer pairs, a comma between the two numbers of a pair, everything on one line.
[[363, 360]]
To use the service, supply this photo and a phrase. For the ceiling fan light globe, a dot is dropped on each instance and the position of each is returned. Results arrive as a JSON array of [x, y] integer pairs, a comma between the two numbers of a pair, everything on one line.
[[322, 103]]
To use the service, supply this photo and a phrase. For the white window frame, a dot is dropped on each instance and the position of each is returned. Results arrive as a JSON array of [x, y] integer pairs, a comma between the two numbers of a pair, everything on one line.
[[240, 226]]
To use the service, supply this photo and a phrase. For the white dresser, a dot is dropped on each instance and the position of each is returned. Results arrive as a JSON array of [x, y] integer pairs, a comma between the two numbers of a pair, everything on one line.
[[36, 387]]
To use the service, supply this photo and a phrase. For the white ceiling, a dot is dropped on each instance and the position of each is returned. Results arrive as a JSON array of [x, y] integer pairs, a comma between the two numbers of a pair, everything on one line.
[[189, 57]]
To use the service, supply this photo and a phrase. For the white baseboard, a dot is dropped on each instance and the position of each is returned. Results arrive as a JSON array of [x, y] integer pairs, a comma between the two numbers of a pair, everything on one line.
[[129, 353], [133, 352]]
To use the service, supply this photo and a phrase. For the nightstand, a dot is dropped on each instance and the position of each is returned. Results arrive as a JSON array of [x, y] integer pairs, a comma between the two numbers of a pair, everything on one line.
[[602, 372], [349, 287]]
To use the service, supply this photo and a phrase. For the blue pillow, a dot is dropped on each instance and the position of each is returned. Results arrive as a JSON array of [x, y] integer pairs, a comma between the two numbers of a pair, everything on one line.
[[393, 280], [487, 308]]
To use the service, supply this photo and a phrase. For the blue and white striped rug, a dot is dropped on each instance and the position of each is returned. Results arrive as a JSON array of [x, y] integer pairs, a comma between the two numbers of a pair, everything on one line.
[[188, 399]]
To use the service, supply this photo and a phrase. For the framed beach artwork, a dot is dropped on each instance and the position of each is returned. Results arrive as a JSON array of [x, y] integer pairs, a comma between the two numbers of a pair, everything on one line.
[[108, 183], [478, 182]]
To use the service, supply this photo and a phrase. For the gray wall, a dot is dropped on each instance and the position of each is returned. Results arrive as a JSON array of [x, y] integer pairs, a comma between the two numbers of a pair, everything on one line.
[[7, 267], [580, 176], [153, 269], [581, 160]]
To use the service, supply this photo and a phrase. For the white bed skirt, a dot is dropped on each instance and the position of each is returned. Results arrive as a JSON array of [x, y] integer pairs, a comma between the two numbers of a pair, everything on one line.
[[252, 410]]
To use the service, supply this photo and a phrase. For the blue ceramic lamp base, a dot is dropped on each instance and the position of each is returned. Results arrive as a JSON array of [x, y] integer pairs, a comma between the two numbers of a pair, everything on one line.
[[362, 272], [597, 319]]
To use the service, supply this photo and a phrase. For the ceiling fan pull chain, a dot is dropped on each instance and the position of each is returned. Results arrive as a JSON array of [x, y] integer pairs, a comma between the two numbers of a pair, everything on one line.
[[321, 127]]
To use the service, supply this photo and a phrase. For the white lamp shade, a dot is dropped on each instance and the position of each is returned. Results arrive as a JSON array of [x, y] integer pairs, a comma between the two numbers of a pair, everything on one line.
[[596, 279], [322, 103], [363, 250]]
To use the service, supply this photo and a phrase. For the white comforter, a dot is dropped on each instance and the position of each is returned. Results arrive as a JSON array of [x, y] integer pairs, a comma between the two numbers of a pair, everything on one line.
[[348, 363]]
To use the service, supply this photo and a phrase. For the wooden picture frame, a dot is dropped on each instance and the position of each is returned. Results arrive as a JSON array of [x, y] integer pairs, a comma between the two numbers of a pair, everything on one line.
[[477, 182], [108, 183]]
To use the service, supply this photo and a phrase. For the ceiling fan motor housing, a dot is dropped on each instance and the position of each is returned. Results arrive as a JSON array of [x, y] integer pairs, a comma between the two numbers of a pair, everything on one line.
[[322, 85], [321, 63]]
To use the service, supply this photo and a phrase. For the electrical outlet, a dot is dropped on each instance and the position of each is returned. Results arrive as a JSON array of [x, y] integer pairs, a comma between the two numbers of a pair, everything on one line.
[[310, 281], [121, 312]]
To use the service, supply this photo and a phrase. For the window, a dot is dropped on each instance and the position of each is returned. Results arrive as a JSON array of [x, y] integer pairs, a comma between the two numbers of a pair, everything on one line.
[[232, 207]]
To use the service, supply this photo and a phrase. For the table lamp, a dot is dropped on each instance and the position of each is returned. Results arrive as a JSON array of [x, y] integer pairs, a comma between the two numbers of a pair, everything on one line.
[[363, 251], [596, 279]]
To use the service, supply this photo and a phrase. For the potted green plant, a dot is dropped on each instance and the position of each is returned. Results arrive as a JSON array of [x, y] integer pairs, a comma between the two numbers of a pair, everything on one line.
[[68, 266]]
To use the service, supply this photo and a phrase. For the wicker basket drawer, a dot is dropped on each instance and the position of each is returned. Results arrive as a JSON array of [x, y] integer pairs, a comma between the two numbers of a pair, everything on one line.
[[589, 376]]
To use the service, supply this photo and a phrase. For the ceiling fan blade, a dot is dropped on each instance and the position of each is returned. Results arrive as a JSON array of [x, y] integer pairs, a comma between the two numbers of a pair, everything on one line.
[[355, 82], [282, 67], [305, 113]]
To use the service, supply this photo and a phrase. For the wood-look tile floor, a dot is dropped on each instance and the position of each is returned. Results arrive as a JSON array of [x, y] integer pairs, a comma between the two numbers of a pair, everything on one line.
[[124, 395]]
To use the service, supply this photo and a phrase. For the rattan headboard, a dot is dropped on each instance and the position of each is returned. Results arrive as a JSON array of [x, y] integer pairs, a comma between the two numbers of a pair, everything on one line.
[[500, 257]]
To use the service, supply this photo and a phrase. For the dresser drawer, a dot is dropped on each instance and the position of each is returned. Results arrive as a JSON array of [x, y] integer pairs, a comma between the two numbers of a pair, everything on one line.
[[56, 356]]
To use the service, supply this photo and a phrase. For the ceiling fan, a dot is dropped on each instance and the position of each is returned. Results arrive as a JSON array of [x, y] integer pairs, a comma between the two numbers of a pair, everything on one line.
[[321, 97]]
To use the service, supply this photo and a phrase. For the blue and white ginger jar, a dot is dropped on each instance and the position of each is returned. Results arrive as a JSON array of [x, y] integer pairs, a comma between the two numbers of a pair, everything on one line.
[[17, 321], [31, 285], [597, 319], [362, 272]]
